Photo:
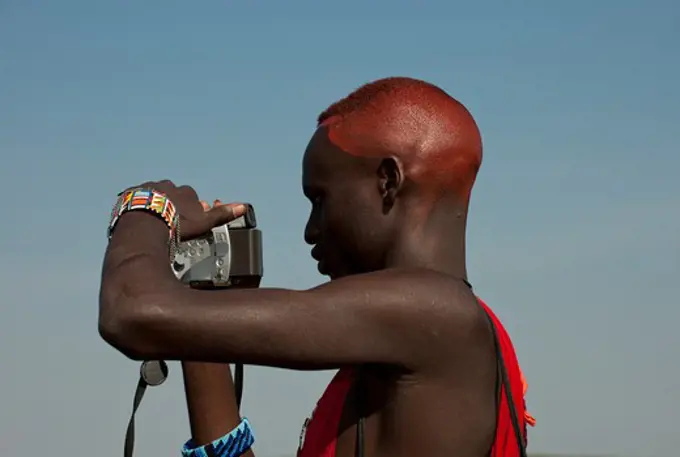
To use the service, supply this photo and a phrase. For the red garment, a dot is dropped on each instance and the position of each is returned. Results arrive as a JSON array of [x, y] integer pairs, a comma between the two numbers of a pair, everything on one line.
[[505, 444], [320, 432]]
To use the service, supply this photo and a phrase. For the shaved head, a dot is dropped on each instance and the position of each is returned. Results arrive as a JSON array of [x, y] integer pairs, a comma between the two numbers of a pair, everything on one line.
[[389, 172], [430, 134]]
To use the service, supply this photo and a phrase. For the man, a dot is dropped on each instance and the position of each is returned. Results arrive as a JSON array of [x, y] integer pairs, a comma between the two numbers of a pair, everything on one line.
[[389, 172]]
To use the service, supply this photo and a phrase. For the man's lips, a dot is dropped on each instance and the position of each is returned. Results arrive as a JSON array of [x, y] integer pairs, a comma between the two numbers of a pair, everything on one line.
[[321, 263], [316, 254]]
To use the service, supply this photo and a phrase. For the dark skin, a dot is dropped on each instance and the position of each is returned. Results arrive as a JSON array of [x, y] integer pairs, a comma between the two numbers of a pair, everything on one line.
[[397, 307]]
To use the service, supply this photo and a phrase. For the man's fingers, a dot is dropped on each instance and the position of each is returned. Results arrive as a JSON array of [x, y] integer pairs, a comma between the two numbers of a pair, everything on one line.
[[222, 214], [206, 206]]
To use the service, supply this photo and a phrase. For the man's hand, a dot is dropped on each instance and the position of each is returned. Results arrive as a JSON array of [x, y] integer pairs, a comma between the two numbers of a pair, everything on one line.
[[196, 217]]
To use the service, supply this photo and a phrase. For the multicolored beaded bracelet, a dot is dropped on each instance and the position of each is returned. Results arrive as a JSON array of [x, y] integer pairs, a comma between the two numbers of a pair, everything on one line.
[[151, 201]]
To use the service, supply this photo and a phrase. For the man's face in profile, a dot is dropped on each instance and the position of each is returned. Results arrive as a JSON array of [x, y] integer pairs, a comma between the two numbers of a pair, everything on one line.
[[347, 226]]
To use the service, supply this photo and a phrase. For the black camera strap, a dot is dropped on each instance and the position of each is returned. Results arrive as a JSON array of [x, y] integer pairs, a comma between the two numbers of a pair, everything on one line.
[[154, 373], [151, 373]]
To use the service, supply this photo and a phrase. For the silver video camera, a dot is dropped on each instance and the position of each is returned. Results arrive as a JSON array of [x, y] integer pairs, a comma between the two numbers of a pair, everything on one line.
[[230, 256]]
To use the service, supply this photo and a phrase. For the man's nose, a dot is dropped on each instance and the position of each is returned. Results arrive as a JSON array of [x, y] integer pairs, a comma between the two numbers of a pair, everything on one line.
[[311, 230]]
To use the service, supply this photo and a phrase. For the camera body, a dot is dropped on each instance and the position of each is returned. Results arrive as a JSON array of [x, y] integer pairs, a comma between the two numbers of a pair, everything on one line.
[[230, 256]]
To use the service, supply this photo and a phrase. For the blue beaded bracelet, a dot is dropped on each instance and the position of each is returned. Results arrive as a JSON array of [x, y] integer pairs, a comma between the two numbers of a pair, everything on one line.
[[234, 444]]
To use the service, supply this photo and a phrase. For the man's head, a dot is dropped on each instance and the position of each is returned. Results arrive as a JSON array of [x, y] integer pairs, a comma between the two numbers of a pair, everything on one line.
[[381, 163]]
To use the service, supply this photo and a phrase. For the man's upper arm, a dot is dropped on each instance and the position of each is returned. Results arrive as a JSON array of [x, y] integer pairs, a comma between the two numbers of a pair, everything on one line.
[[384, 317]]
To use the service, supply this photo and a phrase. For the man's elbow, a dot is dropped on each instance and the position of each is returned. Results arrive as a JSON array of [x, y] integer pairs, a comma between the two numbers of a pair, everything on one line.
[[123, 328]]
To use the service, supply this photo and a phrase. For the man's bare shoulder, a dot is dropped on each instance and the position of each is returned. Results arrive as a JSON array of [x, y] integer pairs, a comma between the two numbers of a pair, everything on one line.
[[434, 293], [441, 310], [449, 310], [420, 289]]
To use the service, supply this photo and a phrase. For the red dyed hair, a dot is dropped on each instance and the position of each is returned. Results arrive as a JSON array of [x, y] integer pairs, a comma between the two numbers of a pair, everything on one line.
[[430, 133]]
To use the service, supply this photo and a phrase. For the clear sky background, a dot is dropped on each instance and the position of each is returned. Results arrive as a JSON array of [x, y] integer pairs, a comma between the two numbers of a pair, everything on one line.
[[574, 229]]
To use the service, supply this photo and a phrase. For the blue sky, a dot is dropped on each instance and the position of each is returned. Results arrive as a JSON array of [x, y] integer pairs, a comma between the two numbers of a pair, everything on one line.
[[574, 226]]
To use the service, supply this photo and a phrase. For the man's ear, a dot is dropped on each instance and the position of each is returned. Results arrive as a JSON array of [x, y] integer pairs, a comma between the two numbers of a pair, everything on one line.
[[390, 181]]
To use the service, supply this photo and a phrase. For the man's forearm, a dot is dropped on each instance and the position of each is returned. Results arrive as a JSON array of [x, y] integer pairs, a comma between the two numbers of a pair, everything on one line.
[[211, 401]]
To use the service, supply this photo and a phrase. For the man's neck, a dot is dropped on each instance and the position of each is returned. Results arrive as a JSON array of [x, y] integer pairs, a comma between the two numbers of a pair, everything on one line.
[[435, 242]]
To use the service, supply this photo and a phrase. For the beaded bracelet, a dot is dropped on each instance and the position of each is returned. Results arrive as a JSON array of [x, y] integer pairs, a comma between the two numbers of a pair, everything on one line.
[[234, 444], [151, 201]]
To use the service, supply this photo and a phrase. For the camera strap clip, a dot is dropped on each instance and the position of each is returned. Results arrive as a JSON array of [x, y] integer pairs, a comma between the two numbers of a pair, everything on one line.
[[151, 373]]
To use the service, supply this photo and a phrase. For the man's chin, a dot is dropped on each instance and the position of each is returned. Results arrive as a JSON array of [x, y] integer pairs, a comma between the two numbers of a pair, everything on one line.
[[323, 269], [338, 275], [330, 274]]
